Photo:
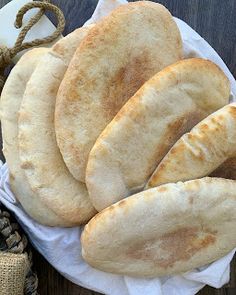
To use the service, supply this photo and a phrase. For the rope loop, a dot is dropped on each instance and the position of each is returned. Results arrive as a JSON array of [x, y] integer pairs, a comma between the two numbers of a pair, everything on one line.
[[7, 54]]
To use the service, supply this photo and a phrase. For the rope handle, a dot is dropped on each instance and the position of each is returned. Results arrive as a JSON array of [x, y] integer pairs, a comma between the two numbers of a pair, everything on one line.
[[7, 54]]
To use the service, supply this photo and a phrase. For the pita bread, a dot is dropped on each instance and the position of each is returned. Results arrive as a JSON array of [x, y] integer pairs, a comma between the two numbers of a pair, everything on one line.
[[11, 98], [199, 152], [165, 230], [133, 144], [39, 154], [120, 53]]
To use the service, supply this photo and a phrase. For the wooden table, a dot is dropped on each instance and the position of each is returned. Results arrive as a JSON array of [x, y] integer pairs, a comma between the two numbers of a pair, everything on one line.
[[215, 20]]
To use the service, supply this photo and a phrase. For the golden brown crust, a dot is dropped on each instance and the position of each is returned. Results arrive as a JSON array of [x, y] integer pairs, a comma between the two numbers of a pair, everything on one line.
[[11, 99], [110, 65], [40, 157], [165, 230], [132, 145], [206, 148]]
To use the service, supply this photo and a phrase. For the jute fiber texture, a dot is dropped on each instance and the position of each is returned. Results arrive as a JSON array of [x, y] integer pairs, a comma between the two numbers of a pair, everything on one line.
[[13, 269]]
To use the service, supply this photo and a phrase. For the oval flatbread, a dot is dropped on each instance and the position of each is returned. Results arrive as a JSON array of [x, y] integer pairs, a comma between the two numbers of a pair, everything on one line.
[[198, 153], [11, 99], [133, 144], [166, 230], [40, 157], [119, 54]]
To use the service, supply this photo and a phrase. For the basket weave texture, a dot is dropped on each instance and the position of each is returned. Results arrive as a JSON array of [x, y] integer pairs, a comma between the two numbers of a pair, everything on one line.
[[13, 270], [16, 275]]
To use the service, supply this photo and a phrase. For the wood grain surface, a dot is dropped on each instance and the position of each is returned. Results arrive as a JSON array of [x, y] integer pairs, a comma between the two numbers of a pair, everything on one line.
[[215, 20]]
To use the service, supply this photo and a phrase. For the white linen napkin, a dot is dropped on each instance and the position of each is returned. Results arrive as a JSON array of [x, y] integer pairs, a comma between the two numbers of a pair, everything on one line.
[[62, 248]]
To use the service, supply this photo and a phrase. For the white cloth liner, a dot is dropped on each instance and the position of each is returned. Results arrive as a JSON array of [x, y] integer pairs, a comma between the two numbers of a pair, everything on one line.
[[62, 248]]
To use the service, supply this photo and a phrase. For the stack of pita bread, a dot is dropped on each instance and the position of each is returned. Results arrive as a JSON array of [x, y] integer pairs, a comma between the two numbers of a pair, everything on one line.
[[113, 119]]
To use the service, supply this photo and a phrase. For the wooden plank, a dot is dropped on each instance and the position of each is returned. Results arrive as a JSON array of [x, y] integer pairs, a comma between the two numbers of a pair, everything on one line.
[[76, 12], [3, 2], [52, 283]]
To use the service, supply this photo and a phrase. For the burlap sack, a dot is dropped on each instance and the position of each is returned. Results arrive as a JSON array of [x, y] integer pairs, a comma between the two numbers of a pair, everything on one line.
[[13, 269]]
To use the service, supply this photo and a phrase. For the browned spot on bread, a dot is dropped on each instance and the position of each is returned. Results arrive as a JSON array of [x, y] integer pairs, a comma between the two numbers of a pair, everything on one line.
[[154, 178], [176, 149], [186, 242], [26, 165], [76, 80], [97, 215], [130, 109], [179, 245], [125, 205], [161, 166], [59, 48], [122, 203], [110, 208], [191, 200], [102, 149], [190, 136], [53, 89], [192, 185], [108, 212], [182, 125], [221, 117], [173, 132], [151, 183], [232, 110], [162, 189], [204, 127], [77, 154], [125, 82], [11, 176], [214, 120], [24, 117]]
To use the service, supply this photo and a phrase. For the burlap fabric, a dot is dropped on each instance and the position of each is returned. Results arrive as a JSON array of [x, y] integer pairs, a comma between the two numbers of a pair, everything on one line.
[[13, 270], [16, 273]]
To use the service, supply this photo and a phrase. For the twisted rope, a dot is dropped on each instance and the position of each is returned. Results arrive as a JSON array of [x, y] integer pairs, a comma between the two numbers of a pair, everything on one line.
[[7, 54]]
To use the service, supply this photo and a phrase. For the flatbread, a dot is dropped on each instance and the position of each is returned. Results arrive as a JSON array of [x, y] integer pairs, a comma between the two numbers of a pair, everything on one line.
[[198, 153], [40, 157], [11, 98], [166, 230], [133, 144], [120, 53]]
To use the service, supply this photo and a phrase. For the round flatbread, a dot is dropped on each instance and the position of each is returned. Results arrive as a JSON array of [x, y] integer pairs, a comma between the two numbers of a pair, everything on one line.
[[11, 99], [133, 144], [166, 230], [198, 153], [119, 54], [40, 157]]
